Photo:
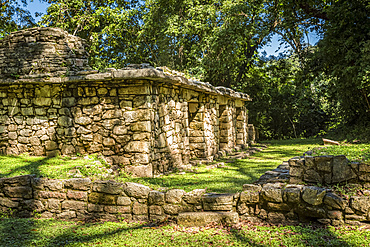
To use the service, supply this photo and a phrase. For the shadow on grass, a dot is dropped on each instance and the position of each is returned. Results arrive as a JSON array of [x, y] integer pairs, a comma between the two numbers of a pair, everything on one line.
[[30, 167], [25, 232]]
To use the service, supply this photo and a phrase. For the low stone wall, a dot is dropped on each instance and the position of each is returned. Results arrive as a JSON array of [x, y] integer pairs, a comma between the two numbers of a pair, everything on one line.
[[328, 170], [83, 199]]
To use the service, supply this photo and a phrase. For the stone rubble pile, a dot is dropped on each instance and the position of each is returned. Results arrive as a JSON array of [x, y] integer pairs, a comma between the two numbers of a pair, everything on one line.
[[42, 52]]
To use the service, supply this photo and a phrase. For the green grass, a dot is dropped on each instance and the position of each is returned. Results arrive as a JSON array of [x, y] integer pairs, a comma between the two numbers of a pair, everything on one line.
[[37, 232], [56, 167], [223, 179], [354, 152], [231, 178]]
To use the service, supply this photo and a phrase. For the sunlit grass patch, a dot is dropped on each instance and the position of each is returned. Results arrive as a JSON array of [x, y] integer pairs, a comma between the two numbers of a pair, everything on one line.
[[55, 167], [354, 152], [226, 178], [37, 232]]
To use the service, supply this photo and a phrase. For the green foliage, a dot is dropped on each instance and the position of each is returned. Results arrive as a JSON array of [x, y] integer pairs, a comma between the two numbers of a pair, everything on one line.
[[310, 92], [343, 56], [14, 16], [111, 27]]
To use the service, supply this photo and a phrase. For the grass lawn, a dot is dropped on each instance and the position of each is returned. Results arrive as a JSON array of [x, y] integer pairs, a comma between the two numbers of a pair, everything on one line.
[[36, 232], [223, 179], [228, 178]]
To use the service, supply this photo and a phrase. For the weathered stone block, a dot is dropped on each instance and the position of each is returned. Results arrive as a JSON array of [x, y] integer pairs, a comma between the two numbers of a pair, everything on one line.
[[120, 130], [313, 195], [34, 205], [77, 195], [292, 194], [144, 126], [78, 183], [19, 191], [95, 207], [8, 203], [324, 163], [156, 197], [155, 210], [53, 204], [296, 171], [172, 209], [83, 120], [42, 101], [74, 205], [67, 215], [312, 176], [52, 184], [49, 194], [341, 170], [109, 187], [175, 196], [334, 201], [194, 197], [360, 203], [272, 192], [275, 217], [101, 198], [123, 201], [65, 121], [139, 208], [217, 202], [140, 170], [137, 90], [138, 147], [17, 181], [137, 190], [204, 218]]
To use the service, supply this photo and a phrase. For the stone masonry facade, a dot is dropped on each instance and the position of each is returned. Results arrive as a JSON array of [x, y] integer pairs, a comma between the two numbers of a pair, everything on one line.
[[147, 121]]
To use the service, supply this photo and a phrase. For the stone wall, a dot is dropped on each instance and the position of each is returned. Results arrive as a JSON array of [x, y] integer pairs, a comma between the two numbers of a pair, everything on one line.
[[83, 199], [146, 120], [328, 170]]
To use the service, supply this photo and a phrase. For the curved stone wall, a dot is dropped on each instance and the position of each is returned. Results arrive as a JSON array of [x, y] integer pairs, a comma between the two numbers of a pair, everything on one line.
[[83, 199]]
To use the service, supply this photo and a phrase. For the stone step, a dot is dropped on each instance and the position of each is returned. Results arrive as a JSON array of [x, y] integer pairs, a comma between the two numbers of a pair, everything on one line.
[[217, 202], [204, 218]]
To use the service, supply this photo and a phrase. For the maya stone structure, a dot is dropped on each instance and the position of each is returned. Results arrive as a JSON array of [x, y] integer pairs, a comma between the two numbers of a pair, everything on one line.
[[146, 120]]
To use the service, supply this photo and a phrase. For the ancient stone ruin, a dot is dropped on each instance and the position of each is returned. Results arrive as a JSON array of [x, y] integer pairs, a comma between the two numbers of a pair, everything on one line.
[[146, 120]]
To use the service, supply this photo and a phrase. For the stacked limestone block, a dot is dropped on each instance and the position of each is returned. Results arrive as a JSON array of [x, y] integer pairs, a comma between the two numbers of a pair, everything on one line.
[[203, 126], [171, 141], [227, 124], [241, 125], [39, 52], [328, 170], [252, 133], [81, 198]]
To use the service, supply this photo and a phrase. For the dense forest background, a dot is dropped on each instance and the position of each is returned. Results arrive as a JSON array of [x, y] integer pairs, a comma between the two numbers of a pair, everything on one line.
[[308, 91]]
